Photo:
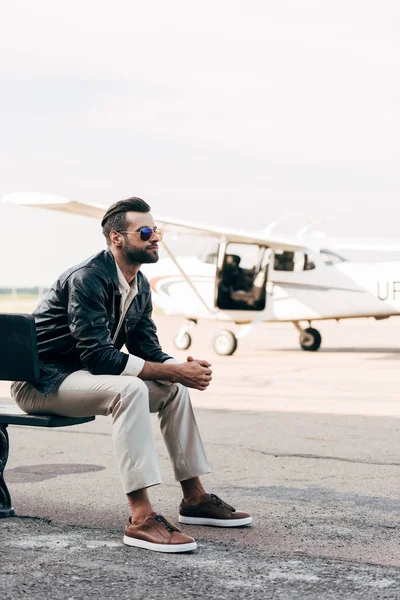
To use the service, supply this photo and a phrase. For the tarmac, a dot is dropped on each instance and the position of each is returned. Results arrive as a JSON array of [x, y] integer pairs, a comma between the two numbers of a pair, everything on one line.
[[307, 442]]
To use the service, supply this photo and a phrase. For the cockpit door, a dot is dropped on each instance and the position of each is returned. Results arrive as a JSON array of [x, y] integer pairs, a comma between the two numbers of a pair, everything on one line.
[[241, 277]]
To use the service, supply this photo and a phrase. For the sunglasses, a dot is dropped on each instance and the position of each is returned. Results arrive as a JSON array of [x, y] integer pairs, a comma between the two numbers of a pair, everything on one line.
[[146, 233]]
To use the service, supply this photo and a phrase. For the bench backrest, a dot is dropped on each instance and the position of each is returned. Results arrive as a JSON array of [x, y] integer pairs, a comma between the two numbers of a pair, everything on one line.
[[19, 360]]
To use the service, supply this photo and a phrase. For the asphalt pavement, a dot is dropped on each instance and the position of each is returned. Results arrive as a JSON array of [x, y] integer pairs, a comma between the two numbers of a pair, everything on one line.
[[307, 442]]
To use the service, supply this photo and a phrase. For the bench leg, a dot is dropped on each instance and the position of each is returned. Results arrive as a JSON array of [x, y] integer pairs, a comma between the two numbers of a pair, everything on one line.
[[6, 510]]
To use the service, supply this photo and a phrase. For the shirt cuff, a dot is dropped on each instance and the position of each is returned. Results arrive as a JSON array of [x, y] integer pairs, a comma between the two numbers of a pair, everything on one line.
[[171, 361], [134, 366]]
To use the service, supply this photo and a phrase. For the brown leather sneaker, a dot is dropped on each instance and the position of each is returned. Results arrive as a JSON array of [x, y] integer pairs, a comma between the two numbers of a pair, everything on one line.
[[212, 511], [156, 533]]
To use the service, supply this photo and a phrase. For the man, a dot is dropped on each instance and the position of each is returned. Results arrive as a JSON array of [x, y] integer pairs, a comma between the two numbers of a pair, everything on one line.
[[89, 314]]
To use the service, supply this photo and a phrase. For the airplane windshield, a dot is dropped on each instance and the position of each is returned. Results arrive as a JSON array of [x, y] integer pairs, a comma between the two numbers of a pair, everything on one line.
[[331, 258], [210, 255]]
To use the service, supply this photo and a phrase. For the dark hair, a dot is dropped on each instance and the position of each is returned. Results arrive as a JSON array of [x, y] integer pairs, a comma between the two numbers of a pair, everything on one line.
[[115, 217]]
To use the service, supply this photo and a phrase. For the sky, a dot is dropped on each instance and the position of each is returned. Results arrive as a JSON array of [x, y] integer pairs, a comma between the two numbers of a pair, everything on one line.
[[229, 112]]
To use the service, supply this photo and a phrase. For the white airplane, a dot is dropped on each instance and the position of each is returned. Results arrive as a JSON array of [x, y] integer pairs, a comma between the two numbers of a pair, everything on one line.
[[249, 278]]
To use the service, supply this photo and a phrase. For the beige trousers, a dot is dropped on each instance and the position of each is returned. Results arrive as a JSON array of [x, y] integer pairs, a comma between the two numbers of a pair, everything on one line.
[[130, 401]]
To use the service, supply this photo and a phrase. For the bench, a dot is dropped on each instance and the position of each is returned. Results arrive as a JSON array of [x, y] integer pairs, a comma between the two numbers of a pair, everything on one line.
[[19, 361]]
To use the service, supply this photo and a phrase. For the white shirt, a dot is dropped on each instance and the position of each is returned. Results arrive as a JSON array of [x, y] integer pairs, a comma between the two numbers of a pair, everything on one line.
[[128, 292]]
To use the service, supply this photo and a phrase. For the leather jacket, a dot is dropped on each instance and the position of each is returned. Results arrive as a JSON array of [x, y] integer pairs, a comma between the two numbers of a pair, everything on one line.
[[77, 319]]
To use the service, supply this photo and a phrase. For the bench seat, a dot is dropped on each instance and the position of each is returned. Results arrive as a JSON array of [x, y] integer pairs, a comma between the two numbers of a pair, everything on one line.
[[19, 361], [12, 415]]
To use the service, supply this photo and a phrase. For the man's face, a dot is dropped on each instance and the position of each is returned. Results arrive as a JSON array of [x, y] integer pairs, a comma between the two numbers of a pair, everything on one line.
[[135, 249]]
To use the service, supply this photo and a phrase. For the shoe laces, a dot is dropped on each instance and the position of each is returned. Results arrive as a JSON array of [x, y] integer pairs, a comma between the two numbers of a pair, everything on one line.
[[220, 502], [160, 519]]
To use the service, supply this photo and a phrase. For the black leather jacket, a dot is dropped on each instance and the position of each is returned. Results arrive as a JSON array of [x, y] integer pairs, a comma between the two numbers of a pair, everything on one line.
[[77, 319]]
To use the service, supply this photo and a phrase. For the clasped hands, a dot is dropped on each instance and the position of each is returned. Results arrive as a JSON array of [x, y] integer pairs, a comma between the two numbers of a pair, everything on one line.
[[194, 373]]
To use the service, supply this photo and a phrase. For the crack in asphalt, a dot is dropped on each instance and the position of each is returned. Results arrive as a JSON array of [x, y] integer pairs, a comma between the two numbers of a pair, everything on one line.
[[310, 456], [274, 454], [317, 457]]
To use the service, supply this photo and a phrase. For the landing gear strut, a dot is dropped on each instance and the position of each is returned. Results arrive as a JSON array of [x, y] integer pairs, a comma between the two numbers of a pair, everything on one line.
[[310, 338]]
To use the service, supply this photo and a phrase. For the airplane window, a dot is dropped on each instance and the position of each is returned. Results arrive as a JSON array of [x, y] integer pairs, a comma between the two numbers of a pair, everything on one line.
[[292, 261], [331, 258], [308, 263]]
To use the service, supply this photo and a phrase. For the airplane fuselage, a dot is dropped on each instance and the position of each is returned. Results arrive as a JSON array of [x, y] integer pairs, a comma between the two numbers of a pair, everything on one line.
[[344, 290]]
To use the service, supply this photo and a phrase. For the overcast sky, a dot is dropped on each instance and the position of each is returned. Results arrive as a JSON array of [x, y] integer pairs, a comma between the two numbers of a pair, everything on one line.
[[228, 112]]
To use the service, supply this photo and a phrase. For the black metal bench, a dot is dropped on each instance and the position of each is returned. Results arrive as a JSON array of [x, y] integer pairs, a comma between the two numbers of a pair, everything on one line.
[[19, 361]]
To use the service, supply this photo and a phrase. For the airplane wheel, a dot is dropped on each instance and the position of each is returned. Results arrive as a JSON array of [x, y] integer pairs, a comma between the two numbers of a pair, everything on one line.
[[225, 343], [310, 339], [183, 341]]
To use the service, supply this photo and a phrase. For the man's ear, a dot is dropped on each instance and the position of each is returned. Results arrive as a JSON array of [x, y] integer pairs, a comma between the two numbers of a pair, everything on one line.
[[115, 238]]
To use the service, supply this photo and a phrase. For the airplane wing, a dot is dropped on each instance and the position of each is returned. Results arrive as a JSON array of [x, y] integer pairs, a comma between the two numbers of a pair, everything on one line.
[[177, 226], [54, 202], [232, 235], [377, 245]]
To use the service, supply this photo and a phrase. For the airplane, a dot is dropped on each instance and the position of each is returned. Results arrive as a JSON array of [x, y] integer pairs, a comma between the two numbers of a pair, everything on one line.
[[249, 277]]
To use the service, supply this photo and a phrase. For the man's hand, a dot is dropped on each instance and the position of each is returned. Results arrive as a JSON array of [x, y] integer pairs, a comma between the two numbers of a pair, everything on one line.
[[203, 363], [194, 374]]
